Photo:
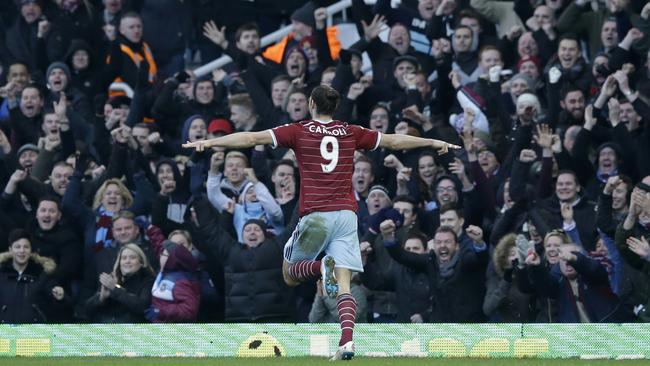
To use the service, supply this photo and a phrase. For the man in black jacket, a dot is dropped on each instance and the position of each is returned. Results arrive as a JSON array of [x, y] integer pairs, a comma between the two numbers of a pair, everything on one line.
[[568, 198], [456, 275], [33, 39], [54, 239], [254, 289], [411, 287]]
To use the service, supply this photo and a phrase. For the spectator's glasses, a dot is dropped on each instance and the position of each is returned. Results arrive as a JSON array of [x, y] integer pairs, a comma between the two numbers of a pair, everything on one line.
[[445, 189]]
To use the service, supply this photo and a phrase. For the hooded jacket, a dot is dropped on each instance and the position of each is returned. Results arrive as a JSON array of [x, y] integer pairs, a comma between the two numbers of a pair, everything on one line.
[[84, 80], [176, 292], [185, 131], [265, 208], [167, 212]]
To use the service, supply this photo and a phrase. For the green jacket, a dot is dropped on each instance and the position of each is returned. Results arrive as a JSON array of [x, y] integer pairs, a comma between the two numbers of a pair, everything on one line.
[[589, 23]]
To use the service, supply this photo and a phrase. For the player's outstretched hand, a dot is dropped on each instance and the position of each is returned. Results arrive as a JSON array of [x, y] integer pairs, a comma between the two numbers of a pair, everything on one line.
[[444, 147], [198, 145]]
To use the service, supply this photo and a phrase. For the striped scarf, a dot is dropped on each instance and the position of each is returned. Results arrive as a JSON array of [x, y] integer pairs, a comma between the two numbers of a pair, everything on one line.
[[103, 229]]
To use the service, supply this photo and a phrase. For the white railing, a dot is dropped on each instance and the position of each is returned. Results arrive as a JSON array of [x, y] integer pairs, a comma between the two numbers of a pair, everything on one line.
[[274, 37]]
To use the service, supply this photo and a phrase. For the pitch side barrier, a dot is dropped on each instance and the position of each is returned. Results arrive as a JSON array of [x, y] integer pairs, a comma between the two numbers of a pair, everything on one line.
[[610, 341]]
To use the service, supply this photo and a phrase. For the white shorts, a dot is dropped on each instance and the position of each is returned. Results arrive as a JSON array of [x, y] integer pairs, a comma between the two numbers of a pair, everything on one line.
[[333, 232]]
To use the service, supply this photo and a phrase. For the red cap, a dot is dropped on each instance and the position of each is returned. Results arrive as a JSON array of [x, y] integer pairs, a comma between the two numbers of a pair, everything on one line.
[[220, 125], [534, 59]]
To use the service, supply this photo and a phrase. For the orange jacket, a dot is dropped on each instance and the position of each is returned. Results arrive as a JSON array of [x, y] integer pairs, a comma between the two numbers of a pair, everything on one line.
[[275, 53]]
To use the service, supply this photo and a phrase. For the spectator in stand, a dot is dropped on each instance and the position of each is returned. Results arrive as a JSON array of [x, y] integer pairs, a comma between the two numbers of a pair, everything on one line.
[[456, 275], [203, 96], [256, 203], [33, 38], [18, 78], [583, 293], [568, 67], [195, 128], [29, 294], [296, 104], [243, 113], [169, 206], [83, 64], [25, 115], [58, 79], [125, 292], [632, 237], [411, 287], [258, 257], [305, 24], [464, 44], [417, 21], [176, 292], [210, 274], [230, 184], [55, 239], [613, 204], [128, 52], [589, 23], [504, 302]]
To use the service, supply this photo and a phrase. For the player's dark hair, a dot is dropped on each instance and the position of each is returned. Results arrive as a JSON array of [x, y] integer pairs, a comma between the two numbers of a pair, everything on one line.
[[326, 99]]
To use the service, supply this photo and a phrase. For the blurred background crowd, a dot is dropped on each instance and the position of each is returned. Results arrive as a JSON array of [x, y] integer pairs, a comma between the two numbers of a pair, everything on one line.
[[544, 216]]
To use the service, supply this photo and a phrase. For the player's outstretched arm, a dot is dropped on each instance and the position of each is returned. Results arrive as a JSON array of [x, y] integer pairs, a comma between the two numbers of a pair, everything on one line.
[[234, 140], [407, 142]]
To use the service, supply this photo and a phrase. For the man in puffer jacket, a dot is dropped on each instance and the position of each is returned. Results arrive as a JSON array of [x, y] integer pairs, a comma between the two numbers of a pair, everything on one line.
[[254, 287]]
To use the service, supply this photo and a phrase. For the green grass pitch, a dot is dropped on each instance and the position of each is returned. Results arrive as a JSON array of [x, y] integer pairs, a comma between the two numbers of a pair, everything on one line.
[[308, 361]]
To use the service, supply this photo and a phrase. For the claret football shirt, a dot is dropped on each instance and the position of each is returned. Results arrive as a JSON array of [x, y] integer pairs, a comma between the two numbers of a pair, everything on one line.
[[325, 155]]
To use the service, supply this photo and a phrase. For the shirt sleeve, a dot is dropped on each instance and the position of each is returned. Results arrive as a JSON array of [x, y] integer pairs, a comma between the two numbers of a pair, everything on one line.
[[366, 139], [285, 135]]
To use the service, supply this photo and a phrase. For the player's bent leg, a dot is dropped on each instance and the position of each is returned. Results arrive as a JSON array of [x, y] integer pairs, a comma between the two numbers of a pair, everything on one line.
[[285, 274], [303, 270]]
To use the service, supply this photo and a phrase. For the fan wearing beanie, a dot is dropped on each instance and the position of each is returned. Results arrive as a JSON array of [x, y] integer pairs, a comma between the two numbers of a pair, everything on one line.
[[58, 78]]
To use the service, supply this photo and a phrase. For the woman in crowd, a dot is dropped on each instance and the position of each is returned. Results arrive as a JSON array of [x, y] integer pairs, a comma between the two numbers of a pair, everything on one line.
[[125, 294]]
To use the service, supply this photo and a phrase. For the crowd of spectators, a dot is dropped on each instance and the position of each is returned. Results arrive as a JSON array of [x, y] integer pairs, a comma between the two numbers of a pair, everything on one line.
[[544, 216]]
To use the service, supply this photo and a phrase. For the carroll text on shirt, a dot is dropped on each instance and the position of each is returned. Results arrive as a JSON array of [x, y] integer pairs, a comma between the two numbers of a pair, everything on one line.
[[324, 130]]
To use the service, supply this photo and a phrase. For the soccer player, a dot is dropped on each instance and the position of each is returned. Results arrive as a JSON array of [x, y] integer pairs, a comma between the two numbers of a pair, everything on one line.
[[328, 223]]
